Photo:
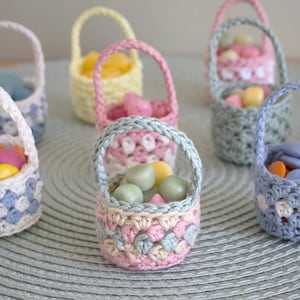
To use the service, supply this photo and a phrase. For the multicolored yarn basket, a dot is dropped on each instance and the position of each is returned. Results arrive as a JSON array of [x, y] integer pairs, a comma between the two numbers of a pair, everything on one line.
[[233, 129], [20, 195], [277, 200], [254, 69], [34, 108], [146, 236], [135, 146], [82, 89]]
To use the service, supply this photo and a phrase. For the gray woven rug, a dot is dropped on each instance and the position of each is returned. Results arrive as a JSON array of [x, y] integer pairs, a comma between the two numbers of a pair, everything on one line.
[[58, 258]]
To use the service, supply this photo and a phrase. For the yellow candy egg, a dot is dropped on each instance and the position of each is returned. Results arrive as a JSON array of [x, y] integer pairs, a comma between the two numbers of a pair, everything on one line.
[[253, 96], [7, 171], [118, 61], [243, 39], [89, 62], [230, 54], [162, 170]]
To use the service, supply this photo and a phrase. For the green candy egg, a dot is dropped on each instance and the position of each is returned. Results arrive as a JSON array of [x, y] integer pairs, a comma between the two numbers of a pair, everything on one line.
[[142, 175], [129, 193], [226, 41], [173, 188], [149, 194]]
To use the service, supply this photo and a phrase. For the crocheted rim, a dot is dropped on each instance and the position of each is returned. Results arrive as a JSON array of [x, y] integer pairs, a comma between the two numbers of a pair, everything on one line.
[[38, 59], [152, 124], [214, 80], [99, 11], [101, 116]]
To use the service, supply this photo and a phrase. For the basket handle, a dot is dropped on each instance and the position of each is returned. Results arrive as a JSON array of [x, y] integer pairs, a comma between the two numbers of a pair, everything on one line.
[[214, 80], [261, 118], [24, 131], [36, 47], [126, 124], [142, 46], [267, 46], [99, 11]]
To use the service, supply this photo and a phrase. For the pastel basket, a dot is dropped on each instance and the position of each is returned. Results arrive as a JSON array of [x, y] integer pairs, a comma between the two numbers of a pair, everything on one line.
[[253, 69], [146, 236], [82, 89], [20, 195], [135, 146], [33, 108], [233, 129]]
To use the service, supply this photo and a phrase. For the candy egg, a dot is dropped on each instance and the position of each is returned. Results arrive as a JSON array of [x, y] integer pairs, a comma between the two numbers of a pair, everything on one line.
[[173, 188], [237, 48], [162, 170], [157, 199], [278, 168], [253, 96], [149, 194], [117, 113], [89, 61], [159, 108], [7, 171], [236, 91], [129, 98], [12, 157], [229, 54], [267, 91], [142, 175], [118, 61], [140, 107], [234, 100], [129, 193], [294, 174], [291, 162], [249, 51], [226, 41], [21, 93], [243, 39], [291, 148]]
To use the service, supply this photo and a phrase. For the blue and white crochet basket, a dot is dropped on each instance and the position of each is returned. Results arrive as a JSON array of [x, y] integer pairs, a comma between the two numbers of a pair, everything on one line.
[[20, 195], [277, 200]]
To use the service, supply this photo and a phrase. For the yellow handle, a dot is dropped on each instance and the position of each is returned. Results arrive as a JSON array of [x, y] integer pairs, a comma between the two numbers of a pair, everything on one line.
[[99, 11]]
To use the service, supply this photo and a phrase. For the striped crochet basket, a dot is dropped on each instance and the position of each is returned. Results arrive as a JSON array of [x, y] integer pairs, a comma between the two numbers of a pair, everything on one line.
[[20, 195], [233, 129], [33, 108], [254, 69], [135, 146], [277, 200], [146, 236], [82, 89]]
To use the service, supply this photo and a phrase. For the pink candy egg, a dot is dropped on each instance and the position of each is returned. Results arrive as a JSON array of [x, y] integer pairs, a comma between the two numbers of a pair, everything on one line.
[[159, 107], [234, 100], [237, 48], [140, 107], [249, 51], [12, 157], [117, 113], [267, 90], [130, 97], [157, 199]]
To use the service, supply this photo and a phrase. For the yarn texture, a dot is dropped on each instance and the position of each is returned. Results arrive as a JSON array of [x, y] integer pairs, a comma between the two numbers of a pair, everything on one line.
[[233, 129], [146, 236], [82, 89]]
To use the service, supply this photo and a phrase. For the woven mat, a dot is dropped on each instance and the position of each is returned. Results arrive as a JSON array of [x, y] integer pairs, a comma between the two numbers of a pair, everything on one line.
[[58, 258]]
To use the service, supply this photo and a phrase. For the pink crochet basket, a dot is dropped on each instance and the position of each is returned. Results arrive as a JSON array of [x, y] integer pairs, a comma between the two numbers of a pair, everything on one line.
[[260, 69], [137, 146]]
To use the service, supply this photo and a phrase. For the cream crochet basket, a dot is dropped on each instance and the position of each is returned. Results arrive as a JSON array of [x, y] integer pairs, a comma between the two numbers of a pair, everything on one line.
[[82, 88]]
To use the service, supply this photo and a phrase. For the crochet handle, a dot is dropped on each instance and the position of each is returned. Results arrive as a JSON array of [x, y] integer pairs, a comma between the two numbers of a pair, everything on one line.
[[214, 80], [126, 124], [261, 118], [139, 45], [266, 44], [24, 131], [36, 47], [99, 11]]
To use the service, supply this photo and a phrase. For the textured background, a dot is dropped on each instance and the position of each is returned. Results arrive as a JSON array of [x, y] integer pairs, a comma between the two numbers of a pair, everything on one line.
[[58, 258], [172, 26]]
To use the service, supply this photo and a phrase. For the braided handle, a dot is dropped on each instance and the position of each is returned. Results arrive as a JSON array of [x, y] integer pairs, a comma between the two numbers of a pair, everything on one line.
[[25, 133], [261, 118], [126, 124], [36, 47], [214, 81], [267, 46], [139, 45], [99, 11]]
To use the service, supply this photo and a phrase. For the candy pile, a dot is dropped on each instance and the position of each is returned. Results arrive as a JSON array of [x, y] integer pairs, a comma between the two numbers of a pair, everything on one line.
[[251, 96], [134, 104], [153, 183], [15, 86], [287, 161], [239, 46], [116, 65], [12, 159]]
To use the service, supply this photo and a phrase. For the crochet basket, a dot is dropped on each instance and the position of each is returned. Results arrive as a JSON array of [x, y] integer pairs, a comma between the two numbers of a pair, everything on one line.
[[146, 236], [254, 69], [33, 108], [277, 200], [82, 89], [233, 129], [20, 195], [135, 146]]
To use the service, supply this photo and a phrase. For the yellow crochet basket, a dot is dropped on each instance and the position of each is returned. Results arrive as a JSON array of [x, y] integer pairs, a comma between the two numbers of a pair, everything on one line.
[[82, 88]]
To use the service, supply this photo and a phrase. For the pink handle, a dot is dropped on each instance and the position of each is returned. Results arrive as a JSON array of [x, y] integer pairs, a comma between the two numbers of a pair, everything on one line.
[[138, 45], [267, 46]]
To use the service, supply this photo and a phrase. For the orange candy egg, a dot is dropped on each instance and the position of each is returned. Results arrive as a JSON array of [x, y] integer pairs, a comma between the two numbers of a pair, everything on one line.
[[278, 168]]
